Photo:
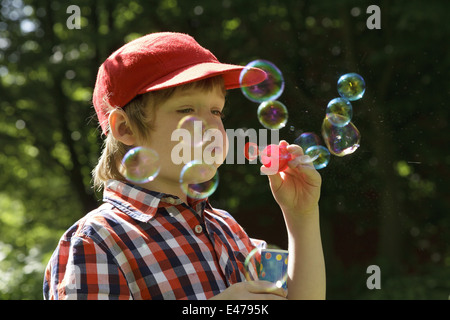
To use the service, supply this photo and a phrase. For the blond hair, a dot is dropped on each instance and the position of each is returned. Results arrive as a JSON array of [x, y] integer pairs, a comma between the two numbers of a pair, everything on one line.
[[141, 114]]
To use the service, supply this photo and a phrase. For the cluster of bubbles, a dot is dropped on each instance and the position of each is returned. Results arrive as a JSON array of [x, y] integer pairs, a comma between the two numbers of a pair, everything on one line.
[[271, 113], [340, 135], [198, 180], [310, 143]]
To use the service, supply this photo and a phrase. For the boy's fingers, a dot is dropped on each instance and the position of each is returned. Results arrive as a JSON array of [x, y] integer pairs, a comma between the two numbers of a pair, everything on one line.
[[269, 171], [283, 143], [261, 287], [299, 161], [295, 150]]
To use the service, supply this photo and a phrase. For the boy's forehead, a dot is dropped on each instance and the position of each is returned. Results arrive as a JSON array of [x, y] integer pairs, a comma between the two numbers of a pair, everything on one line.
[[198, 92]]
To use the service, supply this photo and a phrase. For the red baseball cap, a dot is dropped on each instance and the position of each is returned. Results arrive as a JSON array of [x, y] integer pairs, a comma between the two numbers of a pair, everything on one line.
[[159, 61]]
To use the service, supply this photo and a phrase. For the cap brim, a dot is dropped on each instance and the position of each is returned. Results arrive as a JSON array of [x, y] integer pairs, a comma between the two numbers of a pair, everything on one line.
[[231, 75]]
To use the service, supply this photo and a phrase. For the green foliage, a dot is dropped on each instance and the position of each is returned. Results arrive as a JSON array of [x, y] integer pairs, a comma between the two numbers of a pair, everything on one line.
[[387, 201]]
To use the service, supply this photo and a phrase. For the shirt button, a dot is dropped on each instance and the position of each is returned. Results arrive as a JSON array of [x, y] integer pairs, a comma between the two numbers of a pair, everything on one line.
[[198, 229]]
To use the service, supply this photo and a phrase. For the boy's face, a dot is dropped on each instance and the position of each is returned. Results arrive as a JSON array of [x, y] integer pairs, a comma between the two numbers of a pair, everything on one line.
[[203, 104]]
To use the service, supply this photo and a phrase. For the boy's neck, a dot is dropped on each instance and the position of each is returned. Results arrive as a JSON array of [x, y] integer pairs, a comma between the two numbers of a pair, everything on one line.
[[167, 188]]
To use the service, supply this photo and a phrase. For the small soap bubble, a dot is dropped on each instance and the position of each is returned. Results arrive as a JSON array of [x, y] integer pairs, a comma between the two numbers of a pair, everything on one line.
[[339, 111], [307, 139], [351, 86], [141, 165], [196, 128], [320, 156], [269, 89], [198, 180], [272, 114], [340, 141]]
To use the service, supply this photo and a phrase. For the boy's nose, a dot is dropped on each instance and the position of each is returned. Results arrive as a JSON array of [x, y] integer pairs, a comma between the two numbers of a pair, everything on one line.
[[210, 121]]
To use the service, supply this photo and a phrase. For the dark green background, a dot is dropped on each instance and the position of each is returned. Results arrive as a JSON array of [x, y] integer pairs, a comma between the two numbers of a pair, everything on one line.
[[387, 204]]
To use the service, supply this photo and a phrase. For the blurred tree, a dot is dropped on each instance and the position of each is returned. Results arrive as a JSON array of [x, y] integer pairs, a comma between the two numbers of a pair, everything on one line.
[[384, 204]]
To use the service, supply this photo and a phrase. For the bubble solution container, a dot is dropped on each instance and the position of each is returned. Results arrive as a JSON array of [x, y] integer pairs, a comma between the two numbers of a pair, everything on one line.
[[274, 263]]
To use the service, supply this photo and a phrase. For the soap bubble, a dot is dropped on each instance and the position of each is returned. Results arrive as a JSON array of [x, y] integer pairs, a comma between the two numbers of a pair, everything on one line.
[[351, 86], [320, 156], [340, 140], [272, 114], [307, 139], [270, 89], [339, 111], [198, 180], [196, 127], [252, 265], [141, 165]]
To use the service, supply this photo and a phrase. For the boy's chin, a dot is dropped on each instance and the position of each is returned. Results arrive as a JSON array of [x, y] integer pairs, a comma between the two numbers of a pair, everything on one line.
[[198, 171]]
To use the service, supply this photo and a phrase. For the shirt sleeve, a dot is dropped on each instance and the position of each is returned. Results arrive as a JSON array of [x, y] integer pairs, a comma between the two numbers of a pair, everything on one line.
[[81, 270]]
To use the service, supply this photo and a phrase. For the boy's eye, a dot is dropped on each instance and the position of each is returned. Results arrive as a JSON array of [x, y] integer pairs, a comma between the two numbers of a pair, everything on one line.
[[191, 110], [186, 110], [218, 113]]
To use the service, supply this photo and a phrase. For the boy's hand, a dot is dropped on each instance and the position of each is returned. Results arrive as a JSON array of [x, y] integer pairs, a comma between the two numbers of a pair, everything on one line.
[[252, 290], [297, 189]]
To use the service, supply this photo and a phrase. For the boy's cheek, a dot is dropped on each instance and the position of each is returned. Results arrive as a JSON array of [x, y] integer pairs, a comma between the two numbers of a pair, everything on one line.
[[218, 140], [215, 152]]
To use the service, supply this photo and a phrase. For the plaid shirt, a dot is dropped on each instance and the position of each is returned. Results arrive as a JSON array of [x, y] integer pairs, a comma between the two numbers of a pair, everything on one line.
[[141, 244]]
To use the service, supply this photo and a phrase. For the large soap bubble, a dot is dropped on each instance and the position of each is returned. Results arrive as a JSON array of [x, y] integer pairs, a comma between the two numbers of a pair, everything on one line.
[[320, 156], [198, 180], [340, 141], [141, 165], [269, 89]]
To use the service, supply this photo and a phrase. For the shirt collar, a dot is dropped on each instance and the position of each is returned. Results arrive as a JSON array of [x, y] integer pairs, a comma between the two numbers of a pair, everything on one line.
[[142, 204]]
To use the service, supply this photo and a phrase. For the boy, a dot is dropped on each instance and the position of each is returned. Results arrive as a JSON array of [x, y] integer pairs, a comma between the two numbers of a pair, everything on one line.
[[151, 241]]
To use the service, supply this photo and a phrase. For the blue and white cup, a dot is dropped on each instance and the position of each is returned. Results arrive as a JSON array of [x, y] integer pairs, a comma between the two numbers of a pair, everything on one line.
[[274, 263]]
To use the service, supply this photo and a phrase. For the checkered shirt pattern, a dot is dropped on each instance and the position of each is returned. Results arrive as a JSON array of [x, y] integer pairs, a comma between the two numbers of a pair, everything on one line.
[[141, 244]]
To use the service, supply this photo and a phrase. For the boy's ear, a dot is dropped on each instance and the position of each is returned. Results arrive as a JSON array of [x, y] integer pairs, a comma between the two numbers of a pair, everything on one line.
[[120, 127]]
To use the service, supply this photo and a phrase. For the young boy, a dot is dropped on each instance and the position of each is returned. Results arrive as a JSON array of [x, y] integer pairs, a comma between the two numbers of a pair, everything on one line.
[[151, 241]]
